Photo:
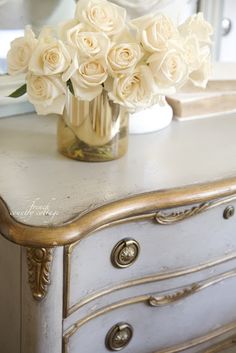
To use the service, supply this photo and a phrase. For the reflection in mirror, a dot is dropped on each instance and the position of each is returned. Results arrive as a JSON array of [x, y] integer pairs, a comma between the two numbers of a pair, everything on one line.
[[15, 14], [178, 10]]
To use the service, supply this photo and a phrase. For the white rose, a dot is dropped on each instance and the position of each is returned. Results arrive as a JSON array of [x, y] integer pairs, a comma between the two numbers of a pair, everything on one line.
[[200, 76], [154, 32], [88, 79], [134, 90], [50, 57], [88, 44], [64, 27], [102, 16], [122, 58], [169, 68], [197, 25], [47, 93], [20, 53], [192, 52]]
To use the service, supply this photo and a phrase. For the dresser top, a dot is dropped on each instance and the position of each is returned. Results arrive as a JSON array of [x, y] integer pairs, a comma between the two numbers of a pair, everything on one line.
[[34, 174]]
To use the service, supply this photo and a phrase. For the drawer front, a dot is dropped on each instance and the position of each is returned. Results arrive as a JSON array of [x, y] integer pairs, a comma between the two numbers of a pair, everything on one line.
[[148, 248], [192, 317]]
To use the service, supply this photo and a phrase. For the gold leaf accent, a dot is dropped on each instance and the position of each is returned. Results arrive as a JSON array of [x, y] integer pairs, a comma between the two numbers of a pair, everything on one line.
[[39, 267], [157, 301], [147, 299], [171, 298], [164, 218]]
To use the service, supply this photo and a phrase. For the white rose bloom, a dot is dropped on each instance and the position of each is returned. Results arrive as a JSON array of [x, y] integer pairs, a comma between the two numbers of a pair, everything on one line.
[[192, 52], [47, 93], [102, 16], [154, 31], [200, 76], [89, 44], [169, 68], [50, 57], [197, 25], [134, 90], [88, 79], [20, 53], [64, 27], [122, 58]]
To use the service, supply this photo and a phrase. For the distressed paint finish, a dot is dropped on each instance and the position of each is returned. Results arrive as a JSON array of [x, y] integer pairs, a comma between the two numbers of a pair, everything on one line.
[[162, 178]]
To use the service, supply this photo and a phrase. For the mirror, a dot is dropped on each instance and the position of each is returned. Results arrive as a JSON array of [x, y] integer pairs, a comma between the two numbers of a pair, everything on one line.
[[16, 14]]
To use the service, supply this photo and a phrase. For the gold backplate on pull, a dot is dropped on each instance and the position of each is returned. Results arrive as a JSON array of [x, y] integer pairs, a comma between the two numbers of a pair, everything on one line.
[[119, 336], [125, 253]]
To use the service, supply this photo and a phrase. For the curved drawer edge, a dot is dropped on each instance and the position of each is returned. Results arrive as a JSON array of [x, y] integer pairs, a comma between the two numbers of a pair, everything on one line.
[[219, 333], [69, 310], [152, 301], [138, 206]]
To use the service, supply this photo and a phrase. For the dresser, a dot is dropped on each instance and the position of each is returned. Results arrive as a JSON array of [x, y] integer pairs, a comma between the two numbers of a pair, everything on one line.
[[136, 255]]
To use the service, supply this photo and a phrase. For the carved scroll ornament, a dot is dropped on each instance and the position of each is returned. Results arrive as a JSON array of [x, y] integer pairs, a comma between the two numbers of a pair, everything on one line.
[[39, 267]]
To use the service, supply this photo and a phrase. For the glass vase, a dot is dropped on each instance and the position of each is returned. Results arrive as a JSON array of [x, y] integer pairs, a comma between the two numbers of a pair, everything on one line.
[[95, 131]]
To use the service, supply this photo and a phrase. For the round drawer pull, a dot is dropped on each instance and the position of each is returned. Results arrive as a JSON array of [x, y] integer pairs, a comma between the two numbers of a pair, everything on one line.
[[119, 336], [229, 212], [125, 253]]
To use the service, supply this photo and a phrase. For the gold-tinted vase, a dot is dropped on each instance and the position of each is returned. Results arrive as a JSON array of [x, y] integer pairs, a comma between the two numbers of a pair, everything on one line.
[[95, 131]]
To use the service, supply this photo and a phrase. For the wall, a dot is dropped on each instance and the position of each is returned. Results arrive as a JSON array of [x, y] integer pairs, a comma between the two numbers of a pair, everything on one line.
[[228, 45]]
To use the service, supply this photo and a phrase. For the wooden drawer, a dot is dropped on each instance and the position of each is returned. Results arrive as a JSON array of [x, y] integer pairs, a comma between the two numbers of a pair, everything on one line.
[[189, 243], [193, 317]]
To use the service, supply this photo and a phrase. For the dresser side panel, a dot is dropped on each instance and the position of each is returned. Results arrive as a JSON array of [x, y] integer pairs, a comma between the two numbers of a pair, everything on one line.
[[10, 284], [42, 320]]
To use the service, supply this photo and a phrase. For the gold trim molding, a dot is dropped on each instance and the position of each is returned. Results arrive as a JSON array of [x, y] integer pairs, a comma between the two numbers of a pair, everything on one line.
[[157, 301], [228, 343], [140, 206], [174, 297], [161, 218], [39, 262], [152, 301], [165, 219], [216, 334], [68, 310], [219, 347]]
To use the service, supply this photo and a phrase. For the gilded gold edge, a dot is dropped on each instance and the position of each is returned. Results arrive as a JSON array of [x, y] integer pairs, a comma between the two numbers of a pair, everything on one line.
[[200, 340], [77, 228], [69, 310], [220, 346], [144, 280], [66, 282], [152, 215], [39, 271], [158, 301], [142, 299]]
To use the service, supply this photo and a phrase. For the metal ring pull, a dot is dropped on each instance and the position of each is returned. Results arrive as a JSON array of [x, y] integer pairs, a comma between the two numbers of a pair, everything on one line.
[[229, 212], [119, 336], [125, 253]]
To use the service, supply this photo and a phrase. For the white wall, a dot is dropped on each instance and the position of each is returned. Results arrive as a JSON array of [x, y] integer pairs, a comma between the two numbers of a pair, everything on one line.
[[228, 42], [11, 14], [15, 14], [177, 9]]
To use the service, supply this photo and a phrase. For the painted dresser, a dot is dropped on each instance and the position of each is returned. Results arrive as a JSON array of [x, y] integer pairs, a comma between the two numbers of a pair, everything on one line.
[[137, 255]]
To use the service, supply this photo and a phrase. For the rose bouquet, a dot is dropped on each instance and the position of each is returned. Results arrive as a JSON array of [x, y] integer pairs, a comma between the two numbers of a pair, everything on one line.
[[97, 67], [134, 62]]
